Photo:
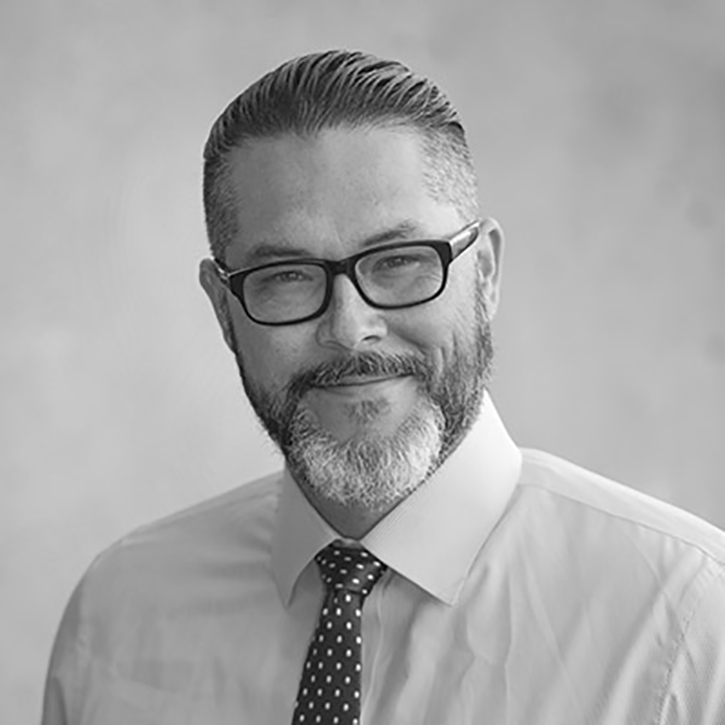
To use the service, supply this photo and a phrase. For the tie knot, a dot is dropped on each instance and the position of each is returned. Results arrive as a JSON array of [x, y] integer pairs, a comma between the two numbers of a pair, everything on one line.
[[352, 569]]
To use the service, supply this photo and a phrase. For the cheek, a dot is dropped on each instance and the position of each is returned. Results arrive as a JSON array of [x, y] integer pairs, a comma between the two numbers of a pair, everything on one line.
[[450, 315], [270, 356], [444, 326], [436, 332]]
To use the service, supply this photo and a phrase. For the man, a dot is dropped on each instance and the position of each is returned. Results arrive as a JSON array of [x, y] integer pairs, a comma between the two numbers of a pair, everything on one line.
[[410, 565]]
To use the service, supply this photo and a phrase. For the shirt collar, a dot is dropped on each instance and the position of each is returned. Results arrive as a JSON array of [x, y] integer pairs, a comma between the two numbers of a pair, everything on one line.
[[434, 535]]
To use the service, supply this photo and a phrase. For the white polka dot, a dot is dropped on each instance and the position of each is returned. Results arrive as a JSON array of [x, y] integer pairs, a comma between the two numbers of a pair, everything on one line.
[[345, 706]]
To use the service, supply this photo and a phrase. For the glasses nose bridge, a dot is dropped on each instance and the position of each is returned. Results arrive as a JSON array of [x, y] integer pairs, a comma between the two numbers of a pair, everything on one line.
[[346, 267], [342, 266]]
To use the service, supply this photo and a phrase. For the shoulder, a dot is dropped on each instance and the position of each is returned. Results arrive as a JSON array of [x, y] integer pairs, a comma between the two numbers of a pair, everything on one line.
[[152, 592], [240, 516], [183, 552], [575, 493], [588, 565], [600, 539], [644, 578]]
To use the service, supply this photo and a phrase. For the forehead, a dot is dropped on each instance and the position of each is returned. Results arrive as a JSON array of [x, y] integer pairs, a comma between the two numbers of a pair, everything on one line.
[[335, 188]]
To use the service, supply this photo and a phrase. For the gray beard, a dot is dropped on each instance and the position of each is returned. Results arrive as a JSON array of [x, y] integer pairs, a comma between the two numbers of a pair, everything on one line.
[[374, 472], [377, 472]]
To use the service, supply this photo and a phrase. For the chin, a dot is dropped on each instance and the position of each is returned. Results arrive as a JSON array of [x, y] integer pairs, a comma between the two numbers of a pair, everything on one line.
[[362, 419], [372, 467]]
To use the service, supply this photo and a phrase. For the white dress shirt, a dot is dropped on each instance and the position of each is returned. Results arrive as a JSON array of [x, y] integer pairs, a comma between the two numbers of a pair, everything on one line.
[[521, 590]]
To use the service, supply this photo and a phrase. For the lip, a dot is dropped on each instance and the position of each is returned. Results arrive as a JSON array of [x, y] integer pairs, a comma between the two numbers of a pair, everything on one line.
[[356, 382], [352, 386]]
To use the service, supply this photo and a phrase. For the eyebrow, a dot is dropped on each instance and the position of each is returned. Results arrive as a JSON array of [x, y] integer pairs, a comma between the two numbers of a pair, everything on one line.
[[274, 250]]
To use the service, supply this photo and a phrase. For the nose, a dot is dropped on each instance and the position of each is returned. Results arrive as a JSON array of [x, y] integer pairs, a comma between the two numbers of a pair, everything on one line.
[[349, 323]]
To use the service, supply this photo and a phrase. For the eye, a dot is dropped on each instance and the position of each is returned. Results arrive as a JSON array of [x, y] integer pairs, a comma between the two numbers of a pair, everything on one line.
[[281, 276], [399, 260], [403, 261], [288, 275]]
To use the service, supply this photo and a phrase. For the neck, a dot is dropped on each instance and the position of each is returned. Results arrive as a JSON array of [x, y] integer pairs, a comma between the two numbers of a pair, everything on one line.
[[350, 521]]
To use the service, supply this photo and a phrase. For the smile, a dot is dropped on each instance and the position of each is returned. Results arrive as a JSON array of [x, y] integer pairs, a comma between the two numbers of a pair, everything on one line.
[[349, 382], [363, 386]]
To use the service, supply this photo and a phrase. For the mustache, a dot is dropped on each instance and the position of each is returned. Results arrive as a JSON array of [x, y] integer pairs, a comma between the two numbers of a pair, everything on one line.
[[362, 365]]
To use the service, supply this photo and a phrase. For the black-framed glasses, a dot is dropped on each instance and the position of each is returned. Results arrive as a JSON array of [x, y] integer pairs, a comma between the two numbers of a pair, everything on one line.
[[389, 277]]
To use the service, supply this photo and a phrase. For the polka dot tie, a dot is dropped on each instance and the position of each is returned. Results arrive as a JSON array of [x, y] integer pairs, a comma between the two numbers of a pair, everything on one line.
[[329, 692]]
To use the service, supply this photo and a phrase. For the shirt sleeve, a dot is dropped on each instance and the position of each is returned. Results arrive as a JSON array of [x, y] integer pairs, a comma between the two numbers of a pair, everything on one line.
[[695, 694], [64, 670]]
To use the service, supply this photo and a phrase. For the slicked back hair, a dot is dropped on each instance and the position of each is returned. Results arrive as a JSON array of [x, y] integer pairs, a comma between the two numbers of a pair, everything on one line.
[[337, 89]]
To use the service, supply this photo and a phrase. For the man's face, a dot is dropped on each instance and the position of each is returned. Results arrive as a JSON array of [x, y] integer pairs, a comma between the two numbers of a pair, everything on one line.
[[359, 394]]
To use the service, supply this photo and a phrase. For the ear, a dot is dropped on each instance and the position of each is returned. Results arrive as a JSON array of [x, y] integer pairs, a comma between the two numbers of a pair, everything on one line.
[[217, 291], [490, 258]]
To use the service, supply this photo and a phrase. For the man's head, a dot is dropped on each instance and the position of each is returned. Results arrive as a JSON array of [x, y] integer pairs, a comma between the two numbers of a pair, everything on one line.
[[330, 156]]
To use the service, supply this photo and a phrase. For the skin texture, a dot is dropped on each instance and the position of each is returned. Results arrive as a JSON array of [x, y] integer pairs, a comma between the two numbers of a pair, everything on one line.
[[329, 196]]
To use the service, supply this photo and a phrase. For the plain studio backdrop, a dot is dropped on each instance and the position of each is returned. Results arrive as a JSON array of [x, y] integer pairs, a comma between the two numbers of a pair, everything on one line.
[[599, 133]]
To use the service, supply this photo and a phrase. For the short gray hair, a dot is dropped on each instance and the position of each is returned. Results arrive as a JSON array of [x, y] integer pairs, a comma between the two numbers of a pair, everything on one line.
[[337, 89]]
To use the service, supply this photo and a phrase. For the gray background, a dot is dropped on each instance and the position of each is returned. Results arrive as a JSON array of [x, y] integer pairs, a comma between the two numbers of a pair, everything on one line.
[[599, 132]]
